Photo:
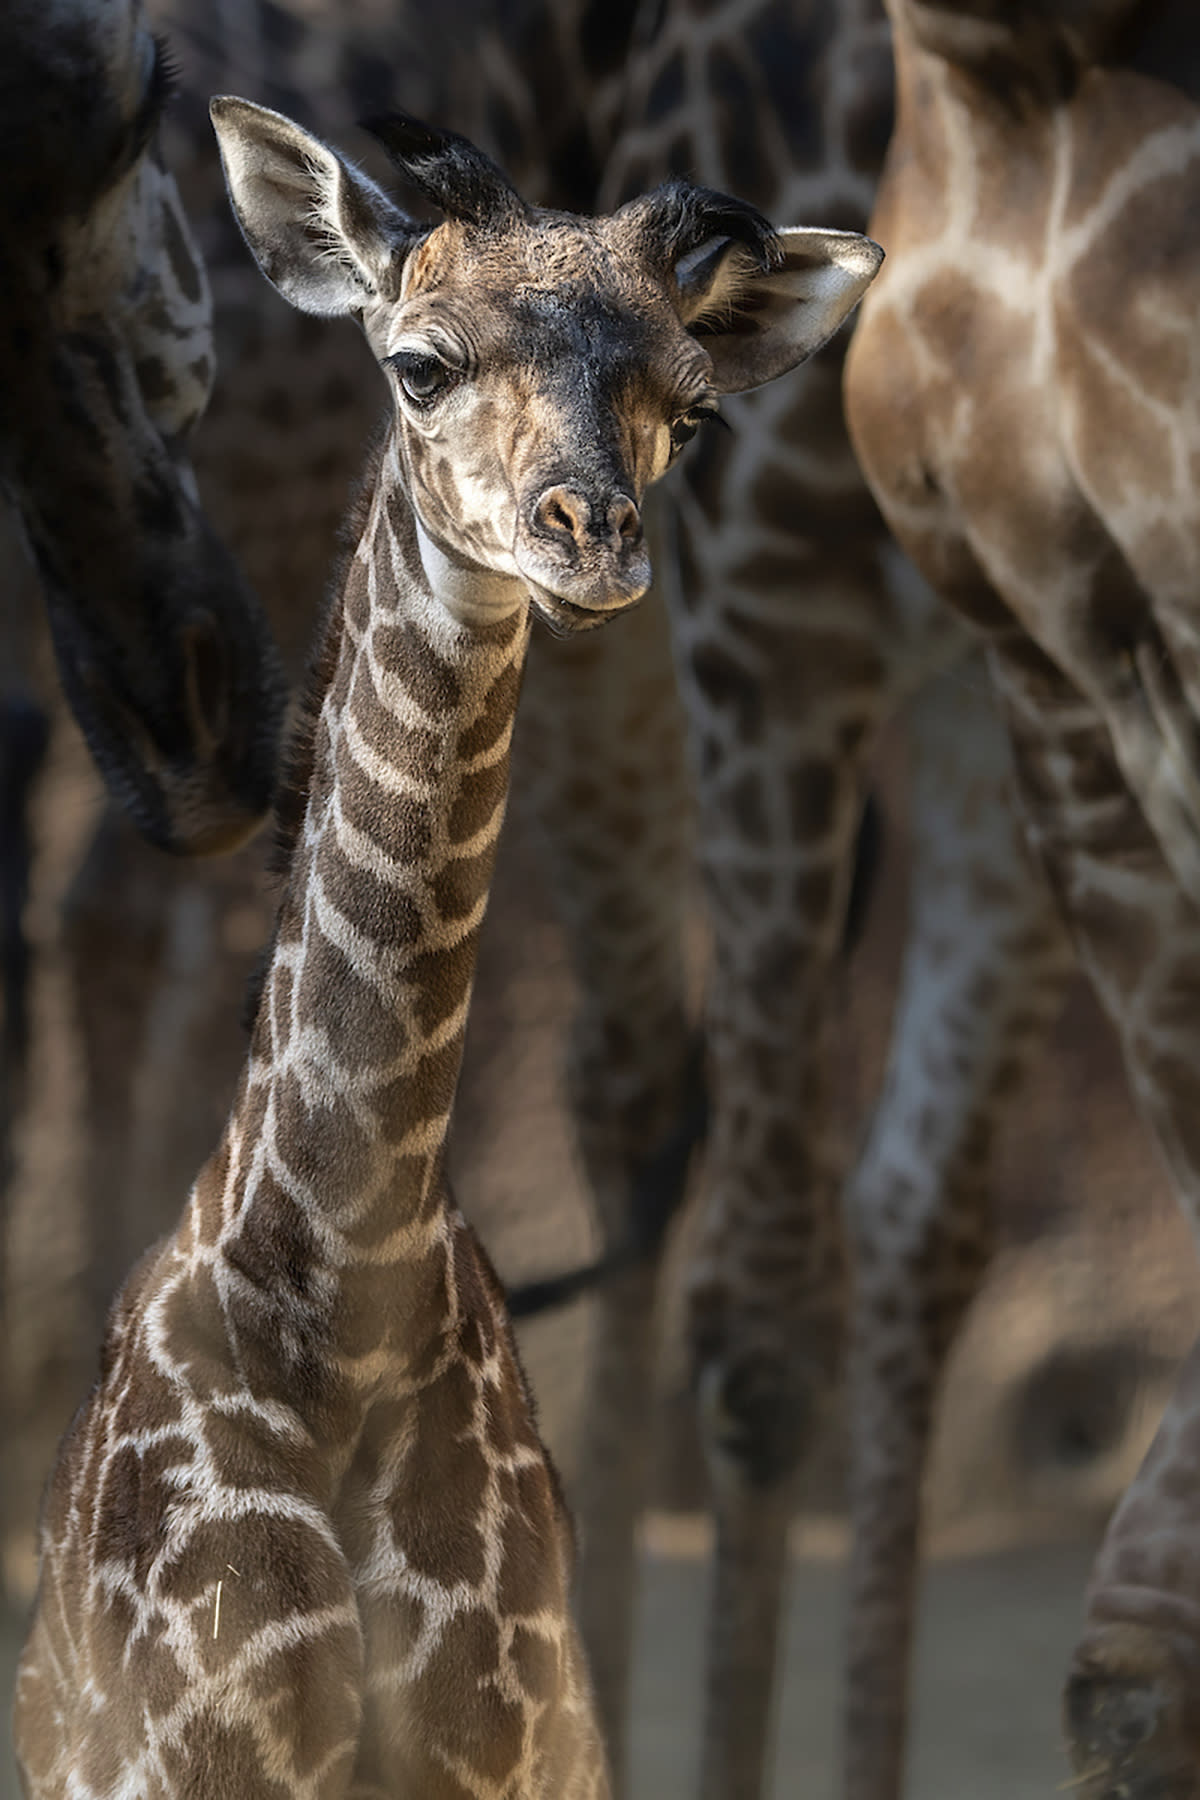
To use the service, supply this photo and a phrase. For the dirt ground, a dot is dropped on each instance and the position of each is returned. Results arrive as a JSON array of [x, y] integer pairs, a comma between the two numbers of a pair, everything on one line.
[[995, 1638]]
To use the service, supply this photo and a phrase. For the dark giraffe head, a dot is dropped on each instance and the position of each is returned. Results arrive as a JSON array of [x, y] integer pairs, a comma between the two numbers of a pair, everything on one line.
[[1003, 39], [545, 368], [105, 364]]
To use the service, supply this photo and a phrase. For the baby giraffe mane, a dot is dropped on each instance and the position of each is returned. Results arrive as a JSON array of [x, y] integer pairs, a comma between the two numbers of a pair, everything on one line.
[[297, 762]]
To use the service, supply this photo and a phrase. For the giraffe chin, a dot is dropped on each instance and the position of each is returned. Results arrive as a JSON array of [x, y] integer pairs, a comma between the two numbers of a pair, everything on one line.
[[566, 617]]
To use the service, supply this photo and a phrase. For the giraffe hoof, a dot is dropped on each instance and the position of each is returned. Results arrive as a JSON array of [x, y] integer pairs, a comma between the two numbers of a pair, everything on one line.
[[1132, 1714]]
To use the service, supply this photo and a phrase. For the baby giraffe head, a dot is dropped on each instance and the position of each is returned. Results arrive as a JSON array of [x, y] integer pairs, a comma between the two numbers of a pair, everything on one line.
[[545, 368]]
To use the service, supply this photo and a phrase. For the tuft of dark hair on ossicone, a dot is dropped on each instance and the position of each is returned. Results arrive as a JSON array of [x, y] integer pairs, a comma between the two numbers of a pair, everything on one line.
[[448, 170], [683, 216]]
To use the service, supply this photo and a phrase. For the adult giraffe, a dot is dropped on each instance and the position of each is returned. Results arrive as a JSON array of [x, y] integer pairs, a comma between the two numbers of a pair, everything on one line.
[[1025, 400], [106, 363], [797, 631]]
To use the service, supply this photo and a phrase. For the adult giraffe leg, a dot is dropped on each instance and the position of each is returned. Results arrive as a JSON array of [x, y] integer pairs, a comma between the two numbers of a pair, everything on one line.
[[984, 968], [600, 761], [24, 740], [781, 651], [1132, 1704], [158, 954]]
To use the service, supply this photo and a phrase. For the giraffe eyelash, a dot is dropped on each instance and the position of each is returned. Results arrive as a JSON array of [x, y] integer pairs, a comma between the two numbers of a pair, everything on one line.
[[685, 427], [165, 79], [411, 366], [161, 84]]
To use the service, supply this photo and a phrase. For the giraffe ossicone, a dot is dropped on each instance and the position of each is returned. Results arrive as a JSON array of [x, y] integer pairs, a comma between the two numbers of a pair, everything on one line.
[[303, 1538]]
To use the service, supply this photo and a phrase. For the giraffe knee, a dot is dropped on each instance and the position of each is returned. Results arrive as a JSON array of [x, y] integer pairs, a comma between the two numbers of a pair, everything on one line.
[[756, 1416]]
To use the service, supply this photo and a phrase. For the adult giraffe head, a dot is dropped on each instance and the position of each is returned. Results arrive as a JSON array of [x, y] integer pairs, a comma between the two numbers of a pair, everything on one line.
[[1051, 39], [105, 364], [545, 368]]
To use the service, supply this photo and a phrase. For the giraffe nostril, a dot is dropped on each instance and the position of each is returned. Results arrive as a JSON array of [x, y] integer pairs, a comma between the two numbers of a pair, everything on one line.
[[608, 523], [562, 513], [625, 521]]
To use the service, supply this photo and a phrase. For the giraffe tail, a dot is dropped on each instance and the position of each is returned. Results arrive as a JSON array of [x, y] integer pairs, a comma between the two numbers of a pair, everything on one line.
[[868, 860], [657, 1189], [660, 1179], [24, 737]]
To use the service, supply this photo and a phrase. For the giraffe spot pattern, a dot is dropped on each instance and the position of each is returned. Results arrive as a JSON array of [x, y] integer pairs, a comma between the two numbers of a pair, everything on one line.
[[134, 1500], [444, 1461], [427, 677], [317, 1140], [494, 1745], [455, 888], [399, 832], [480, 796]]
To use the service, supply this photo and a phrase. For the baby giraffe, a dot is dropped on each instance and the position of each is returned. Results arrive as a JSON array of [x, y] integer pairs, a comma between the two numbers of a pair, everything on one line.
[[303, 1541]]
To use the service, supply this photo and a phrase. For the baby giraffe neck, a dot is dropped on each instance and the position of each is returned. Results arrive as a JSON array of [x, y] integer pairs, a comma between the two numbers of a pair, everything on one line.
[[331, 1169]]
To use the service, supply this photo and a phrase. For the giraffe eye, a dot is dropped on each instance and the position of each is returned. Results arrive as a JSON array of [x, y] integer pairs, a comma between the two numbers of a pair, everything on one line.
[[684, 428], [422, 377]]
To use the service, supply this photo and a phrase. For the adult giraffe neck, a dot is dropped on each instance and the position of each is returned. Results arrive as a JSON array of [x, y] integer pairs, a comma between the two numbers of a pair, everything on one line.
[[1020, 60], [980, 69], [331, 1162]]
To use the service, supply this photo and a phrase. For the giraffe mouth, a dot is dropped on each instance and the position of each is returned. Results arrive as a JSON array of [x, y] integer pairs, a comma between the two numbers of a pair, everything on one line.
[[565, 617]]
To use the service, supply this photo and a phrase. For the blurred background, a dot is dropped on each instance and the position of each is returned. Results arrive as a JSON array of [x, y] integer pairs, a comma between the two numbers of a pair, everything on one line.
[[1059, 1377]]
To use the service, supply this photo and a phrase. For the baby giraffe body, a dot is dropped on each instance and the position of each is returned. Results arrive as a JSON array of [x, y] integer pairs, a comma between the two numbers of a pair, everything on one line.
[[304, 1540]]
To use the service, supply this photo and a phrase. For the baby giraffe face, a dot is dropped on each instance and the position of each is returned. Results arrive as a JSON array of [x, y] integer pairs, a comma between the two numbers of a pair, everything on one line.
[[542, 381], [544, 368]]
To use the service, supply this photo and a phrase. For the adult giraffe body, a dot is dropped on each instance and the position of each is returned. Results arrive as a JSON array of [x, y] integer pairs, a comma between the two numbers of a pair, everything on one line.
[[304, 1538], [106, 363], [1025, 400], [798, 630]]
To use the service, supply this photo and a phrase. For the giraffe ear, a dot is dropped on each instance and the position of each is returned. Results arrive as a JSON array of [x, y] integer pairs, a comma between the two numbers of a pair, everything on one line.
[[756, 324], [325, 235]]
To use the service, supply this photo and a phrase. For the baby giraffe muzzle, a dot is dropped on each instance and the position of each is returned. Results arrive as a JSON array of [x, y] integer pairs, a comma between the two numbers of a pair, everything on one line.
[[584, 550]]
